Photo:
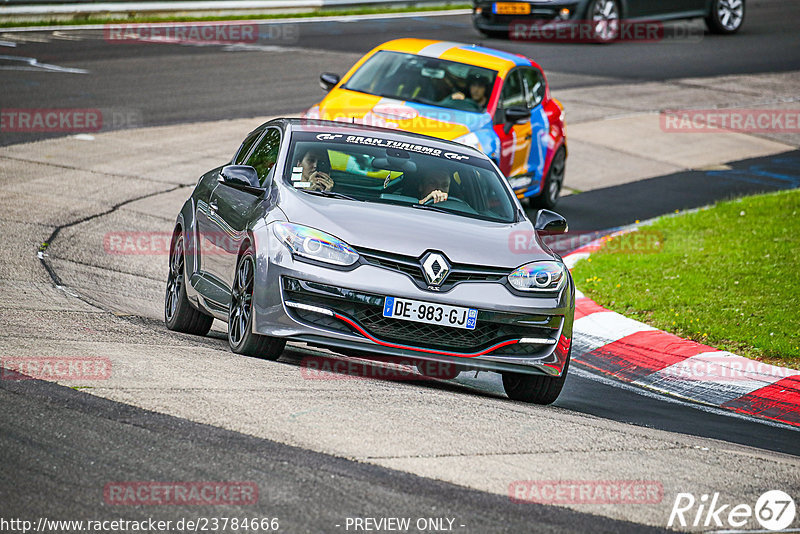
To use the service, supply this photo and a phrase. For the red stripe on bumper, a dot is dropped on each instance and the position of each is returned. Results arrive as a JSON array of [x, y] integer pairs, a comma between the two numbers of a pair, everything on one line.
[[417, 349]]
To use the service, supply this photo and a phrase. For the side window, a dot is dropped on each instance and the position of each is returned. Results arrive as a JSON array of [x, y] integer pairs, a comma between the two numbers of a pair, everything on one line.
[[266, 153], [534, 87], [246, 146], [513, 92]]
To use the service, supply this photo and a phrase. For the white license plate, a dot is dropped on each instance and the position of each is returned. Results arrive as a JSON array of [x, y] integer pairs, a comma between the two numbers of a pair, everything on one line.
[[428, 313]]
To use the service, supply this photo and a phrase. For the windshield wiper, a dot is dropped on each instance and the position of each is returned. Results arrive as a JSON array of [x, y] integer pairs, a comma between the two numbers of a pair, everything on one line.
[[431, 207], [330, 194]]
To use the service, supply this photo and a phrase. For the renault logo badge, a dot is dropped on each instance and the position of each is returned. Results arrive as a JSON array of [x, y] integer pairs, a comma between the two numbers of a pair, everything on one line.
[[435, 267]]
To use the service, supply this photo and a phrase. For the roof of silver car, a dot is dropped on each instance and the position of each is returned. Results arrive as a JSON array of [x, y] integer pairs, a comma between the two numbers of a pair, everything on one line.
[[350, 128]]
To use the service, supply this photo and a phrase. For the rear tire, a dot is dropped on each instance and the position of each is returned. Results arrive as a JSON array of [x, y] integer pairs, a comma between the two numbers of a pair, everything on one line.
[[241, 338], [554, 182], [535, 389], [179, 314], [726, 16]]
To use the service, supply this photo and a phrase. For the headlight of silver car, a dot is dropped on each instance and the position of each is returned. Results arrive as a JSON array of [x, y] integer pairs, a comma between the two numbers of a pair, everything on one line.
[[314, 244], [544, 276]]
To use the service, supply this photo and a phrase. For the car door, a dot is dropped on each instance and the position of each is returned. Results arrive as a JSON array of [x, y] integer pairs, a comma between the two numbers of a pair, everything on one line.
[[234, 208], [643, 8], [535, 90], [207, 238], [683, 6], [514, 140], [659, 8]]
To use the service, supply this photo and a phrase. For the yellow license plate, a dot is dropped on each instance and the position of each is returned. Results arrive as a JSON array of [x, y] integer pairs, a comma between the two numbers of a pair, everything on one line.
[[512, 8]]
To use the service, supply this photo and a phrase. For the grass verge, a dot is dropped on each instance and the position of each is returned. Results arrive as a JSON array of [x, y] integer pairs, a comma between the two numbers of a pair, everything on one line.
[[136, 18], [726, 276]]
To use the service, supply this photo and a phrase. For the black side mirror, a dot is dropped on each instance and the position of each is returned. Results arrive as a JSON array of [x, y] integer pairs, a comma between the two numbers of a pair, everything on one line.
[[550, 222], [328, 80], [514, 115], [243, 177]]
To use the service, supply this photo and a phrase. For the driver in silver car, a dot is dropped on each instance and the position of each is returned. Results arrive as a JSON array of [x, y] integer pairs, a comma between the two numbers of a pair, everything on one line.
[[434, 186], [311, 161]]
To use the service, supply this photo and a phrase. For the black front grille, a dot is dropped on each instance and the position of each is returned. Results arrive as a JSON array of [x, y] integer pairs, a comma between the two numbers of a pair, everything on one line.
[[412, 267], [367, 311], [483, 336]]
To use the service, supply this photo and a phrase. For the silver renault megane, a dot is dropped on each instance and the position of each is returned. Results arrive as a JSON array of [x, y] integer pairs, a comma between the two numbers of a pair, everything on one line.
[[375, 242]]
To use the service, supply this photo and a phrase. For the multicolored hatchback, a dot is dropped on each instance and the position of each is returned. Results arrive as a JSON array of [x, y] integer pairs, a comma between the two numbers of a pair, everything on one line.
[[495, 101]]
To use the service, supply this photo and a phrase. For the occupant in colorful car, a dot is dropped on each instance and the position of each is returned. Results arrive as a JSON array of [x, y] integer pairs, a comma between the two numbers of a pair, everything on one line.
[[434, 186], [478, 87], [312, 160]]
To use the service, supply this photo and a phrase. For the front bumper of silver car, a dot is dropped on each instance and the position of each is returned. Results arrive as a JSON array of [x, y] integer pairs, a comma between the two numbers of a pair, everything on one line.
[[342, 309]]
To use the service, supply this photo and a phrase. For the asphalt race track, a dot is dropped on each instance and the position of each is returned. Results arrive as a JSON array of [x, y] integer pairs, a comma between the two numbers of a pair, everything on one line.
[[172, 84], [315, 466], [86, 441]]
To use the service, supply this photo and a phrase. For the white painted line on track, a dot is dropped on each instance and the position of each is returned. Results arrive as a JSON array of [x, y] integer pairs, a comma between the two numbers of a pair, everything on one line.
[[33, 64]]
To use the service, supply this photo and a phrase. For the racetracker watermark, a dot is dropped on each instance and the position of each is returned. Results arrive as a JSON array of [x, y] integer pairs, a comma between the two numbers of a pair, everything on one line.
[[398, 116], [222, 33], [322, 368], [723, 367], [55, 368], [51, 120], [561, 492], [158, 243], [180, 493], [590, 31], [643, 241], [730, 120], [68, 120]]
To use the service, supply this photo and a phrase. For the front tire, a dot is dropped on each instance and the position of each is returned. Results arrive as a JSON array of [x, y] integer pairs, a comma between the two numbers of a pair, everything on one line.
[[726, 16], [179, 314], [241, 338], [535, 389], [605, 17], [553, 183]]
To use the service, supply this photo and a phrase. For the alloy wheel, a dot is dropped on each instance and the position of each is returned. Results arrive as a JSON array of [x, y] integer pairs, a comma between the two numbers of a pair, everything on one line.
[[605, 20], [174, 279], [730, 13], [556, 177], [241, 301]]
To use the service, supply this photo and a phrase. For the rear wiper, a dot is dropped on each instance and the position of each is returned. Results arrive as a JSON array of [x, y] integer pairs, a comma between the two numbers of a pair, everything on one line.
[[330, 194]]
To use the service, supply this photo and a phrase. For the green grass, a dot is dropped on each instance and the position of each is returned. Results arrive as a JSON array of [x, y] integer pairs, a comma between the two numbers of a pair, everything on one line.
[[727, 276], [136, 18]]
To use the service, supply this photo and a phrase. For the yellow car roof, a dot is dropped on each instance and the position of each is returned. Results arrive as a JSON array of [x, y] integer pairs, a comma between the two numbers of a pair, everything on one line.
[[463, 53]]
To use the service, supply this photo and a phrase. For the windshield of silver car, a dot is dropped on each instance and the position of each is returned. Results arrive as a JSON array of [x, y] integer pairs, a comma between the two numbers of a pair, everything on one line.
[[404, 172]]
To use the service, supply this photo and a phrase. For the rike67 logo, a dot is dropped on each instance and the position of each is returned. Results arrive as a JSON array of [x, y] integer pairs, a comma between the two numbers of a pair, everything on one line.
[[774, 511]]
